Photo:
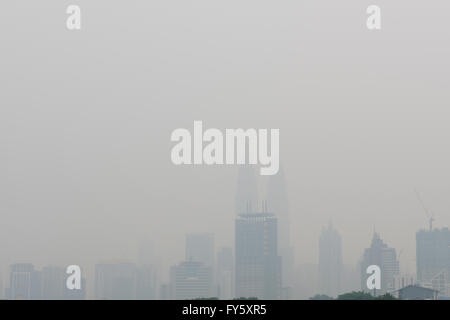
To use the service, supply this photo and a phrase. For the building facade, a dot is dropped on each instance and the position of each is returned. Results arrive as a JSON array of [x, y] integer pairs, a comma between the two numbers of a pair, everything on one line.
[[25, 282], [381, 255], [330, 262], [433, 260], [258, 266], [191, 280]]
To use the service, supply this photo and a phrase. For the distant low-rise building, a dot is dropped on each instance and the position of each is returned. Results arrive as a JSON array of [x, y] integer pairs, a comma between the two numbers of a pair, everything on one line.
[[191, 280], [414, 292], [116, 281], [25, 282]]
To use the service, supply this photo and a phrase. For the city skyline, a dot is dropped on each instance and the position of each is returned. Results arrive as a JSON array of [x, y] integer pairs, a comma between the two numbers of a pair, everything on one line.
[[142, 279], [86, 117]]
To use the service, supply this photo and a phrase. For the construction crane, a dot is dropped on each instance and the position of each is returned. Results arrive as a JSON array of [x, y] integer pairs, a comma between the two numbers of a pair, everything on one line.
[[427, 212]]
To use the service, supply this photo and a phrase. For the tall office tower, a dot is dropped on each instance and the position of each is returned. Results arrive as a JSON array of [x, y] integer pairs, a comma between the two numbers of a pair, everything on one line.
[[146, 283], [148, 271], [200, 248], [433, 259], [330, 262], [258, 266], [53, 283], [115, 281], [225, 274], [25, 282], [191, 280], [247, 191], [277, 202], [384, 257]]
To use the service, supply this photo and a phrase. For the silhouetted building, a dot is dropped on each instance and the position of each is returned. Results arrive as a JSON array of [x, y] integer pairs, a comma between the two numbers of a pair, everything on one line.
[[53, 283], [116, 281], [258, 266], [146, 283], [413, 292], [384, 257], [330, 262], [278, 204], [25, 282], [433, 260], [148, 270], [165, 292], [191, 280], [225, 273]]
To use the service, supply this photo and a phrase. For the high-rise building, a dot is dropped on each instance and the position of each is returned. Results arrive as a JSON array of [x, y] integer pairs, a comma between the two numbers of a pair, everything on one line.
[[191, 280], [433, 260], [116, 281], [200, 248], [330, 262], [277, 202], [148, 271], [258, 266], [165, 291], [381, 255], [225, 273], [25, 282], [146, 283], [53, 283]]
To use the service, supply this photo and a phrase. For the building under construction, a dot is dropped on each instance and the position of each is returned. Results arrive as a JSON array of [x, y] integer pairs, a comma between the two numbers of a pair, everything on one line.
[[433, 260]]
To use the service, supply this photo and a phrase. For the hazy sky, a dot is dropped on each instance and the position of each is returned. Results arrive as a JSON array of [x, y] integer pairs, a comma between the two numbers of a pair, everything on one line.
[[86, 118]]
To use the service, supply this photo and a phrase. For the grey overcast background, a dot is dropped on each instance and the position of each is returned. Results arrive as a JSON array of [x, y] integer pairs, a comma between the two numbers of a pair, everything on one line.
[[86, 118]]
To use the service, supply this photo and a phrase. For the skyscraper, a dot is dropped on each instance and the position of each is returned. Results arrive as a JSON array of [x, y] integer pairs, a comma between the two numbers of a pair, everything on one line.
[[200, 248], [433, 259], [147, 271], [146, 283], [53, 283], [25, 282], [225, 273], [115, 281], [258, 266], [277, 202], [330, 262], [191, 280], [381, 255]]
